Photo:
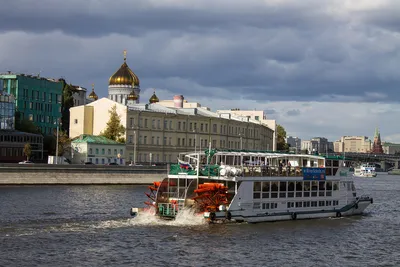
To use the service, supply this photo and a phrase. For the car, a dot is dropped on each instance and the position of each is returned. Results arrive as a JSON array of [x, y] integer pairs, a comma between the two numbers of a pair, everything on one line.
[[112, 164], [25, 162], [89, 163], [135, 165]]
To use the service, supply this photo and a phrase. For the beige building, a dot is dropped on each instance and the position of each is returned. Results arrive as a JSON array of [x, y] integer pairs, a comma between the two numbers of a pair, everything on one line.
[[257, 115], [358, 144], [158, 134]]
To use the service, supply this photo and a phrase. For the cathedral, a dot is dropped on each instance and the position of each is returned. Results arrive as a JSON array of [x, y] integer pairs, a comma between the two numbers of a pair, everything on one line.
[[377, 145]]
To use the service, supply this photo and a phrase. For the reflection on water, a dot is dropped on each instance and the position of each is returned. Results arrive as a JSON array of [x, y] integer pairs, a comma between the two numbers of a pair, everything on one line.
[[91, 226]]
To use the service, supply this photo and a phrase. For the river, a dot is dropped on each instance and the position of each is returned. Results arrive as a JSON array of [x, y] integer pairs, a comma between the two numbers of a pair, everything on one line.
[[91, 226]]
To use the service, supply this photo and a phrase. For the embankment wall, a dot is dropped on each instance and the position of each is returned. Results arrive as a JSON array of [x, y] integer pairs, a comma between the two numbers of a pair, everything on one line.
[[78, 175]]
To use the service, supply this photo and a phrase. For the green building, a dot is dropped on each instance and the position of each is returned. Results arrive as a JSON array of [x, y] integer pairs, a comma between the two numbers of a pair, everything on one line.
[[36, 98]]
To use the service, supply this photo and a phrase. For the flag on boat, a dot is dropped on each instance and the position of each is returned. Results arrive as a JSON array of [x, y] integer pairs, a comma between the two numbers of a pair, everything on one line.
[[184, 164]]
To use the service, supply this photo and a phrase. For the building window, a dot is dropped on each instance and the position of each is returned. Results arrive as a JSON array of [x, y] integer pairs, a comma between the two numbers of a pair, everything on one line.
[[97, 161], [170, 141], [90, 151], [165, 124], [165, 141], [103, 151], [97, 151], [206, 127], [183, 141], [190, 126], [145, 140], [184, 126], [115, 152], [153, 124], [158, 140], [102, 161], [76, 121], [131, 122], [158, 124], [214, 128], [152, 140], [201, 127], [179, 141], [130, 139], [109, 151], [170, 125], [179, 125]]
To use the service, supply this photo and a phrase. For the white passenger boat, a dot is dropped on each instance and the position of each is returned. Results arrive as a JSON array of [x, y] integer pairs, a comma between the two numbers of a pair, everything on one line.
[[365, 170], [254, 187]]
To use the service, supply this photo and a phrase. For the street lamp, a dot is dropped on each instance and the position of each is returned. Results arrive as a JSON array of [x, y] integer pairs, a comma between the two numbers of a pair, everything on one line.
[[57, 146], [195, 140]]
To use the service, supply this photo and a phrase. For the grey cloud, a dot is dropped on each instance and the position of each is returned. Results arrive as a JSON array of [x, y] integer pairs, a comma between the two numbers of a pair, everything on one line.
[[294, 51], [293, 112]]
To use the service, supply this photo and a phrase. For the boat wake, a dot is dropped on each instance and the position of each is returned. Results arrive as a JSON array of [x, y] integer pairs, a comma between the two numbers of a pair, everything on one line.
[[144, 219]]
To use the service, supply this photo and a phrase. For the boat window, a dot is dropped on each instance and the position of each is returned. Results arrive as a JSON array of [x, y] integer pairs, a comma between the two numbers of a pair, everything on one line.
[[299, 204], [257, 186], [282, 189], [328, 203], [306, 204], [291, 189], [321, 203], [256, 195], [299, 189], [335, 186], [274, 189], [314, 203], [265, 190], [306, 188], [256, 205], [265, 206], [335, 203], [314, 188]]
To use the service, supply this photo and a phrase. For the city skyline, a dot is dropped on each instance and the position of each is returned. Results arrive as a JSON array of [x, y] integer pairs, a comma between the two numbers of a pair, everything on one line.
[[322, 68]]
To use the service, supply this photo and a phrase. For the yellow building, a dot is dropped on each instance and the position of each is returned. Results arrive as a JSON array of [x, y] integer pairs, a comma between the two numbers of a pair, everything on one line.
[[157, 131], [358, 144]]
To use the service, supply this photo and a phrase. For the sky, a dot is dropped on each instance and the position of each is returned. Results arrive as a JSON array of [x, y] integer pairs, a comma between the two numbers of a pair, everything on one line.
[[320, 68]]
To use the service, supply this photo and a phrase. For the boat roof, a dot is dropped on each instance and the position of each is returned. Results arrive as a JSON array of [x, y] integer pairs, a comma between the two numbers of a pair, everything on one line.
[[268, 154]]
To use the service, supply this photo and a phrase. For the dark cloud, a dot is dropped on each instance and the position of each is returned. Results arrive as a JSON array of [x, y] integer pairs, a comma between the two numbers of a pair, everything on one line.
[[296, 50], [270, 111]]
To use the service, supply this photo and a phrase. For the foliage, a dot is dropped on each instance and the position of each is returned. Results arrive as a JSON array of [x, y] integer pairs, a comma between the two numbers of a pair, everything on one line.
[[281, 138], [64, 143], [49, 144], [114, 129], [67, 103], [25, 125], [304, 151], [27, 151]]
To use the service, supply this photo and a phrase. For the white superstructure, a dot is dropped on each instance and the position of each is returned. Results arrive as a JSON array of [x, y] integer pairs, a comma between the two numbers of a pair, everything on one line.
[[255, 187]]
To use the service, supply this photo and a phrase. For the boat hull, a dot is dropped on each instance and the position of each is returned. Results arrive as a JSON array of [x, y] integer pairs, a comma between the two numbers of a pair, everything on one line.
[[354, 209]]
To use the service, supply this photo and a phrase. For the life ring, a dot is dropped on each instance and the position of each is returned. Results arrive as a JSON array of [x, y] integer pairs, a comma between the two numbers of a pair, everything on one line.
[[356, 206], [229, 215], [212, 216], [294, 216], [338, 214]]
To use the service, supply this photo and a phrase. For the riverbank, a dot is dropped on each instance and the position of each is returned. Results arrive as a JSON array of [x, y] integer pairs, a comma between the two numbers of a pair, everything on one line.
[[44, 174], [394, 172]]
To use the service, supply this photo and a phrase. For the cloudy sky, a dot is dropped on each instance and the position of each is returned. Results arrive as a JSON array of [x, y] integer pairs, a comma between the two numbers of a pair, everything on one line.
[[320, 68]]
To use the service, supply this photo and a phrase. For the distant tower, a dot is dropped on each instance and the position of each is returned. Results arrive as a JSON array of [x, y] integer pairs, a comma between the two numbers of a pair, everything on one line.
[[377, 146]]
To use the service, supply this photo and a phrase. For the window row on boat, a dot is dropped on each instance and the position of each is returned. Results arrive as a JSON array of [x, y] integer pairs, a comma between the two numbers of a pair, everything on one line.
[[280, 189], [297, 204]]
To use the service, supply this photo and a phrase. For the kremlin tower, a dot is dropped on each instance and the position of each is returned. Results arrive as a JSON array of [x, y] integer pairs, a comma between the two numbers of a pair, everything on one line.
[[377, 146]]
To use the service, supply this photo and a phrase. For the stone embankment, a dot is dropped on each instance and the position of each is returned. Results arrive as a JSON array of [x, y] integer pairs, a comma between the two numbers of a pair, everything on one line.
[[44, 174]]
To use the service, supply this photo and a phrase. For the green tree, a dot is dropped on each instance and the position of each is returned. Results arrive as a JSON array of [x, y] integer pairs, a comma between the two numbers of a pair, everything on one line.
[[25, 125], [27, 151], [64, 143], [67, 103], [281, 138], [114, 129]]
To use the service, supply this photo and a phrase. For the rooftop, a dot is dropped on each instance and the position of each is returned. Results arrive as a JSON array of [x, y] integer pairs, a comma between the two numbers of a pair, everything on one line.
[[95, 139]]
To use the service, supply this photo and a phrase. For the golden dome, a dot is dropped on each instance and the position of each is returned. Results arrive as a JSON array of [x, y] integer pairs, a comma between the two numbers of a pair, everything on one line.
[[124, 75], [154, 99], [93, 95], [132, 96]]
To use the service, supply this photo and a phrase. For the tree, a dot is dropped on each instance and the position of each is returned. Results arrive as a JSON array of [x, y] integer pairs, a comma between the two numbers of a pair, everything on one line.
[[114, 129], [67, 103], [25, 125], [27, 151], [281, 138], [64, 143]]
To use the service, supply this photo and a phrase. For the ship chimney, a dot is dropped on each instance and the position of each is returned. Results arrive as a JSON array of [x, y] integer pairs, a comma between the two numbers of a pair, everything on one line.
[[178, 101]]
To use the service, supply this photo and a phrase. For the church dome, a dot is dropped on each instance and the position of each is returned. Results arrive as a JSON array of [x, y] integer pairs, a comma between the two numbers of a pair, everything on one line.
[[124, 76], [132, 96], [93, 95], [154, 99]]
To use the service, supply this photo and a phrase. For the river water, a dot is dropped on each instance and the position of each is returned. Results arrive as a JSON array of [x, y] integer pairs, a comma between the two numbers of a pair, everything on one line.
[[91, 226]]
